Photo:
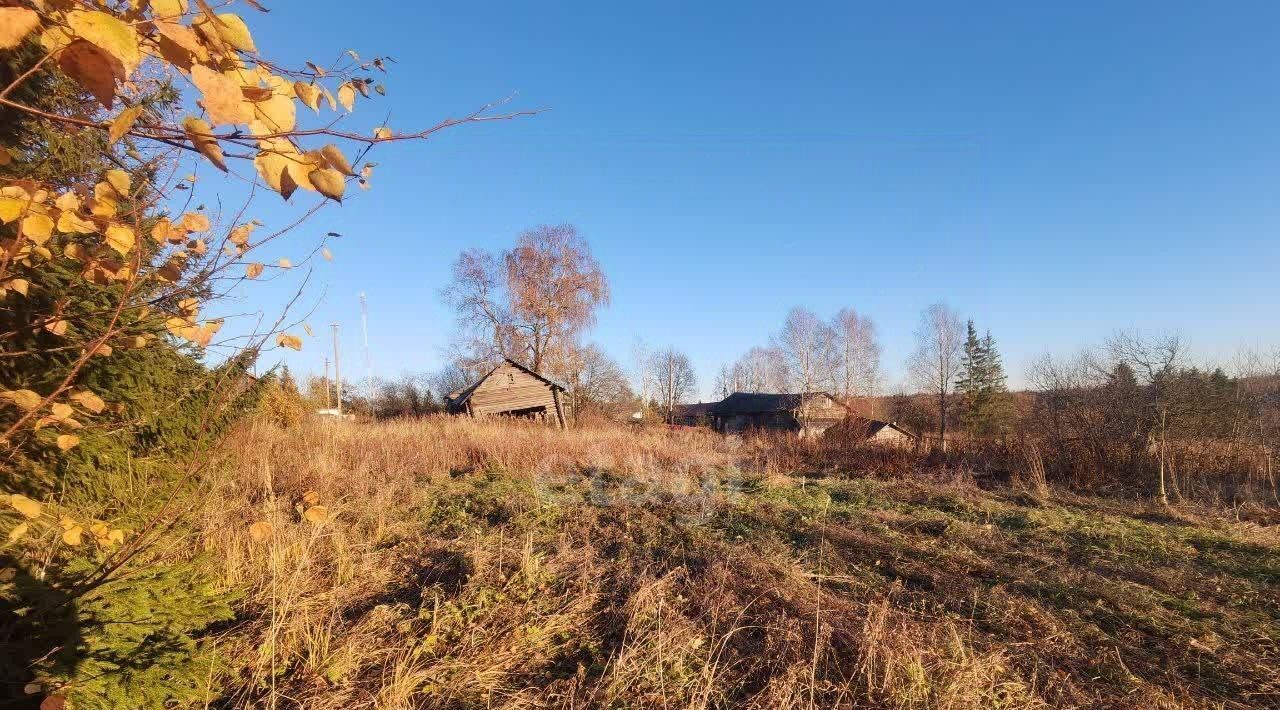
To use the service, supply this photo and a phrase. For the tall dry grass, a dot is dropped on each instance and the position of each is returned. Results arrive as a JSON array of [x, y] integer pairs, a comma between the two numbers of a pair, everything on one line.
[[466, 564]]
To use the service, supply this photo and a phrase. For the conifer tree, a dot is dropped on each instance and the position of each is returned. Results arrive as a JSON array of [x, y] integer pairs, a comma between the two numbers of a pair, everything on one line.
[[983, 385]]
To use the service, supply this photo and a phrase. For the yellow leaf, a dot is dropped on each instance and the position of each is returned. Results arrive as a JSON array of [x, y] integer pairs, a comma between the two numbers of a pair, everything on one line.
[[73, 535], [19, 285], [308, 94], [223, 99], [168, 8], [310, 498], [37, 227], [284, 263], [232, 30], [90, 401], [240, 235], [25, 399], [29, 508], [316, 514], [61, 410], [260, 531], [347, 96], [382, 133], [328, 255], [121, 124], [253, 270], [195, 222], [119, 181], [115, 536], [54, 39], [68, 202], [121, 238], [71, 222], [11, 208], [67, 441], [336, 159], [19, 531], [328, 182], [328, 98], [200, 134], [292, 342], [278, 113], [109, 33], [15, 24], [57, 326]]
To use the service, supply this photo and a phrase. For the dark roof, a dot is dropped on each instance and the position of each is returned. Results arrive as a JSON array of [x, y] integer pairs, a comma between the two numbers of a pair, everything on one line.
[[459, 397], [761, 402], [701, 409]]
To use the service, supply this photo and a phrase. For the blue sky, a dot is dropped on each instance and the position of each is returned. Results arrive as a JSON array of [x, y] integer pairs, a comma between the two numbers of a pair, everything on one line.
[[1053, 172]]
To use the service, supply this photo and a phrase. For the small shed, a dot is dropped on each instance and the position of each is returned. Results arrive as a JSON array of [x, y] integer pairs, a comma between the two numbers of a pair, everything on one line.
[[692, 414], [874, 431], [805, 413], [512, 390]]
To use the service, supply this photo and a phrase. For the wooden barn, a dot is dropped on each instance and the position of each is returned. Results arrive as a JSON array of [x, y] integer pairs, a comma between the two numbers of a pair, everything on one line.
[[511, 390], [858, 429], [807, 413]]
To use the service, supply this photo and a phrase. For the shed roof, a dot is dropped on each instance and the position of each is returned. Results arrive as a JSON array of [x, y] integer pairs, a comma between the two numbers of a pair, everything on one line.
[[762, 402], [459, 397], [863, 428]]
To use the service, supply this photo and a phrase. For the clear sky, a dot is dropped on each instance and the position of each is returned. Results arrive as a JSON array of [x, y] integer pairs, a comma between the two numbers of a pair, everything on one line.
[[1054, 172]]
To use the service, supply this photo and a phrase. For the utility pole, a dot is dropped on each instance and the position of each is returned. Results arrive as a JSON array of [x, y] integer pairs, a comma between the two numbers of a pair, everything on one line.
[[337, 368], [364, 326], [328, 404]]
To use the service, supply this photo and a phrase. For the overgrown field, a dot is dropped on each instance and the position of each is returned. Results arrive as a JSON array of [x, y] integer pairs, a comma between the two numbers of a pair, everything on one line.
[[462, 564]]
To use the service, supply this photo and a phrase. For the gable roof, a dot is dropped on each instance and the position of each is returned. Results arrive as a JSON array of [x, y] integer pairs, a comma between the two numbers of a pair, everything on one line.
[[863, 428], [459, 397], [694, 410], [763, 403]]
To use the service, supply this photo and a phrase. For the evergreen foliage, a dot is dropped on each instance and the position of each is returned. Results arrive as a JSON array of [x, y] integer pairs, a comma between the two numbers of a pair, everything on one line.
[[983, 385]]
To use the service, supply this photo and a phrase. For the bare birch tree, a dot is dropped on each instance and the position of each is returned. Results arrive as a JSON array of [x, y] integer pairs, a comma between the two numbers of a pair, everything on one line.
[[807, 344], [933, 365], [673, 378], [857, 354]]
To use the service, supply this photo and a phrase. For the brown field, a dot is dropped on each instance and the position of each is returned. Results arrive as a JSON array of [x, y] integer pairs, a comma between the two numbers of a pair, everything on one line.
[[468, 564]]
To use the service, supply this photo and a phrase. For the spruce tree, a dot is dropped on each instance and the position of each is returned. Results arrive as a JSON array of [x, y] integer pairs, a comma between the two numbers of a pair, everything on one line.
[[983, 385]]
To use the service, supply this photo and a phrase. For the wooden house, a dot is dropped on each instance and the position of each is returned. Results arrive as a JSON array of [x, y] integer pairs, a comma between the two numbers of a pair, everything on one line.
[[693, 414], [857, 429], [512, 390], [807, 413]]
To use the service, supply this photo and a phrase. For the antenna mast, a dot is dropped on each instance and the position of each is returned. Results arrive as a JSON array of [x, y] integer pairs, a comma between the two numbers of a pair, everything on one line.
[[364, 326]]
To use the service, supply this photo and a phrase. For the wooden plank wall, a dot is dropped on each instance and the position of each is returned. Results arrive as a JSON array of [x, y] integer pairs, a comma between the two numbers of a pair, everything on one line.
[[510, 388]]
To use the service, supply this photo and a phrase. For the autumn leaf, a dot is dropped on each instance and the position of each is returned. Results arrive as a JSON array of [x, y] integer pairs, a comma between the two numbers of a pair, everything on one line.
[[37, 227], [57, 326], [19, 531], [284, 263], [110, 33], [25, 399], [93, 68], [328, 255], [121, 238], [333, 155], [253, 270], [61, 410], [119, 181], [328, 182], [73, 535], [316, 514], [29, 508], [292, 342], [308, 94], [200, 134], [121, 124], [347, 96], [223, 99], [382, 133], [232, 30], [71, 222], [19, 285], [310, 498], [15, 24], [168, 8], [240, 235], [11, 209], [90, 401], [195, 222], [67, 441]]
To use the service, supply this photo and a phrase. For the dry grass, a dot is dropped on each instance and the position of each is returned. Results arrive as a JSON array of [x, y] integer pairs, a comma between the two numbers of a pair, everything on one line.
[[468, 564]]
